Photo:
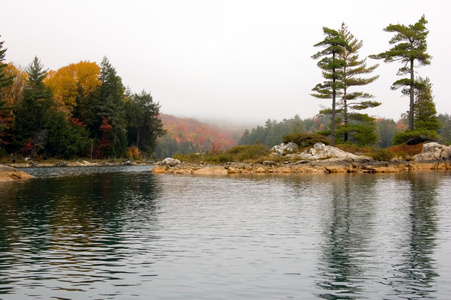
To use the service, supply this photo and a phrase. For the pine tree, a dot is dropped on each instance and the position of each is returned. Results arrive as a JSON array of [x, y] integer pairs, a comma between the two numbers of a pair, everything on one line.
[[330, 64], [144, 126], [352, 101], [409, 48], [33, 115], [424, 108], [109, 101]]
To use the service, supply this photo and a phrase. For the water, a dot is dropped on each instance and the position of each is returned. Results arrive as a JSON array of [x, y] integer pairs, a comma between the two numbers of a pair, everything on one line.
[[125, 233]]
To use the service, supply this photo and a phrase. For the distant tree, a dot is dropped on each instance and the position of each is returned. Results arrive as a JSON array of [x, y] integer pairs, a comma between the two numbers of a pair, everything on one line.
[[144, 126], [445, 128], [352, 101], [387, 130], [34, 113], [424, 109], [409, 47], [330, 64]]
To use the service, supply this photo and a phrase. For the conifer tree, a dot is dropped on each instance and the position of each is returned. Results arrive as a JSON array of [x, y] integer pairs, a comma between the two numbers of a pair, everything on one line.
[[424, 109], [410, 47], [33, 115], [355, 100], [330, 64]]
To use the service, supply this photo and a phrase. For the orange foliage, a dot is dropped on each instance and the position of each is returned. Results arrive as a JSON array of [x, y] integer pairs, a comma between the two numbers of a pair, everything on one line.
[[410, 150], [198, 133], [73, 81]]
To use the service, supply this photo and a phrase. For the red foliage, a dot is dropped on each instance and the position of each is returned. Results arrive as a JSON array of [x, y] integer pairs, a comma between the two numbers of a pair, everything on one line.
[[198, 133], [105, 127], [78, 122]]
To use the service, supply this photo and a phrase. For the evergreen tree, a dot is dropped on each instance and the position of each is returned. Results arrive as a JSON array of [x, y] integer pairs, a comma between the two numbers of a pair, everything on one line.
[[424, 108], [409, 47], [352, 101], [33, 115], [445, 128], [109, 104], [330, 64], [144, 126]]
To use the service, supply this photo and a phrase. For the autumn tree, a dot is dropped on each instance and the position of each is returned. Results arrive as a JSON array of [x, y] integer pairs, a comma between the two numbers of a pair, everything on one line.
[[72, 83], [5, 80], [333, 46], [409, 47], [144, 126], [34, 113]]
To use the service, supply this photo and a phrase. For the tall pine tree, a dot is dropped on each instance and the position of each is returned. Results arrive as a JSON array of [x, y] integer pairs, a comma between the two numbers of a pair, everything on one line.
[[355, 101], [410, 47], [33, 115], [330, 64], [425, 113]]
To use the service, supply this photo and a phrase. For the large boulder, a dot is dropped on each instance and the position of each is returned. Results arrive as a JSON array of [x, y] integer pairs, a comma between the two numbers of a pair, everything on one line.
[[284, 149], [433, 152], [9, 174], [170, 162], [320, 151]]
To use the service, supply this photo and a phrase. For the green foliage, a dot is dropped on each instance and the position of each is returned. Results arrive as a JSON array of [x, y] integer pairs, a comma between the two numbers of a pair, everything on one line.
[[33, 115], [66, 140], [144, 127], [445, 129], [386, 131], [413, 137], [424, 108], [383, 155], [305, 139], [333, 45], [247, 152], [410, 46]]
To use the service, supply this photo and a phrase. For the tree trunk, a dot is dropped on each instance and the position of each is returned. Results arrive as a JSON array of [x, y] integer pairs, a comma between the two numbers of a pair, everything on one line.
[[412, 95], [334, 94]]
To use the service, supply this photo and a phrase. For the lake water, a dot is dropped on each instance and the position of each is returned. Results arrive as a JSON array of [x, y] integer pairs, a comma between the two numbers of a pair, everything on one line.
[[125, 233]]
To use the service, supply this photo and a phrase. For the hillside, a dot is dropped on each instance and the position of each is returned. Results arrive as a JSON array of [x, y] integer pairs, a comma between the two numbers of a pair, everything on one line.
[[187, 135]]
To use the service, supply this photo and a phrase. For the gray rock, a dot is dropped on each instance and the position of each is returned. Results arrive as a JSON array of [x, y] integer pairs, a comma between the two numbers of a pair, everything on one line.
[[171, 162], [284, 149], [433, 152]]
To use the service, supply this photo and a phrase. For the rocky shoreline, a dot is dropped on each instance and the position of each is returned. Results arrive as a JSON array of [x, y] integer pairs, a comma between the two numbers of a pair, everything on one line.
[[320, 159], [318, 167]]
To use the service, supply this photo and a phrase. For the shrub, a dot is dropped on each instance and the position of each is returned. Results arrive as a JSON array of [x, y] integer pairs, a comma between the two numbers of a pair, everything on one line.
[[305, 139], [383, 155], [414, 137], [248, 152]]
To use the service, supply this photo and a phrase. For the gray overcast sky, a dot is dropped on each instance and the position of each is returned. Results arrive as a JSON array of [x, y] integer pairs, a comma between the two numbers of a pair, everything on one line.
[[241, 60]]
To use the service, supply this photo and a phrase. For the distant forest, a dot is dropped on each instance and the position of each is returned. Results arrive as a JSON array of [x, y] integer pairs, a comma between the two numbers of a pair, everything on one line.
[[272, 132]]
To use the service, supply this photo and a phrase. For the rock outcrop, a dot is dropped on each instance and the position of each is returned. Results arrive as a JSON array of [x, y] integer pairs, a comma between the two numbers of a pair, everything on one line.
[[433, 152], [9, 174]]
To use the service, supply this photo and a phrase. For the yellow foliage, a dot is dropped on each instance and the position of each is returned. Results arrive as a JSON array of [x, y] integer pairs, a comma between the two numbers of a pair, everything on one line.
[[72, 81], [13, 94], [133, 153]]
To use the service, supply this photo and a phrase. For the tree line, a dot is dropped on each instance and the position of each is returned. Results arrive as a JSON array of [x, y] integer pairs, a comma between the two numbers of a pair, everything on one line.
[[272, 132], [80, 110], [342, 70]]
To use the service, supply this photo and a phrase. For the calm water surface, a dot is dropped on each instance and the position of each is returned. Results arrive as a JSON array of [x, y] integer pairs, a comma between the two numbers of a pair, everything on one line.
[[125, 233]]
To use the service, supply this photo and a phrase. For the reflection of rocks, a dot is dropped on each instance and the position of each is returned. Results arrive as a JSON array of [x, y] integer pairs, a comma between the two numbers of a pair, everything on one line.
[[434, 152], [9, 174]]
